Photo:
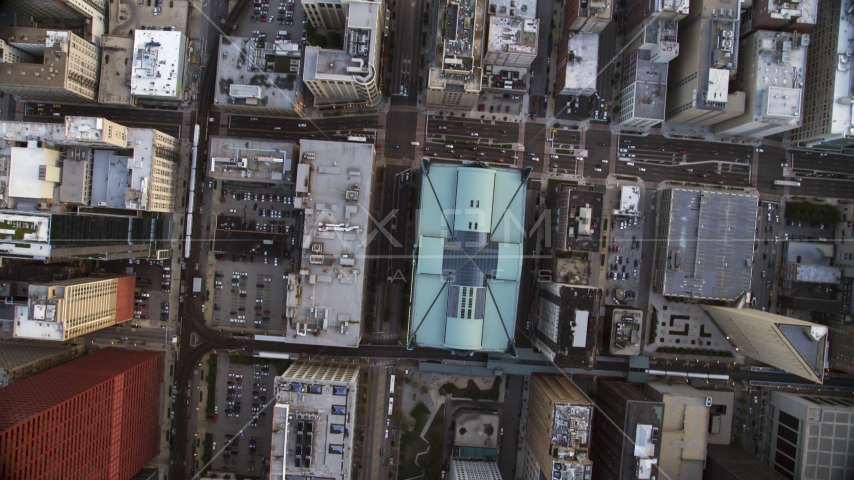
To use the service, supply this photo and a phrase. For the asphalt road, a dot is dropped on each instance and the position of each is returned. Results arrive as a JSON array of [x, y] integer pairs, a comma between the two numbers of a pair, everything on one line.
[[596, 153], [766, 266], [169, 122], [398, 140], [373, 465], [494, 140], [406, 56], [333, 129]]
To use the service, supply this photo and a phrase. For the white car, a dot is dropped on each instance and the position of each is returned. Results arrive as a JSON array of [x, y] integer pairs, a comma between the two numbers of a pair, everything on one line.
[[474, 134], [597, 169], [641, 169], [301, 125], [631, 164]]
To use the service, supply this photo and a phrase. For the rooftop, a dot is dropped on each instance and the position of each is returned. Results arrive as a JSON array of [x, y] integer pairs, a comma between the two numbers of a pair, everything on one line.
[[513, 34], [650, 87], [251, 160], [579, 217], [476, 429], [683, 431], [806, 253], [842, 117], [789, 344], [158, 63], [626, 329], [468, 263], [358, 59], [34, 172], [459, 54], [114, 83], [524, 9], [313, 421], [708, 247], [88, 131], [338, 176], [581, 64], [629, 201], [816, 273], [778, 74], [257, 73], [802, 11], [567, 317]]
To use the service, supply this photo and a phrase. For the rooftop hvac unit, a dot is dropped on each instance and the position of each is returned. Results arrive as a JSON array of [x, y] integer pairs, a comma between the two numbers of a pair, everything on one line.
[[708, 401]]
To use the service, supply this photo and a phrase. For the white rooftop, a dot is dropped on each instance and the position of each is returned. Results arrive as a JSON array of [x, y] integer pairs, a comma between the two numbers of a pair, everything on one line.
[[842, 117], [333, 247], [779, 74], [357, 61], [817, 274], [513, 8], [581, 65], [157, 63], [629, 201], [34, 172], [513, 34]]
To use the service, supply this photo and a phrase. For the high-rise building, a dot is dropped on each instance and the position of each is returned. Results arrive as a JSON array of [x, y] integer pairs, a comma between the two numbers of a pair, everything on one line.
[[730, 462], [64, 66], [41, 236], [579, 217], [693, 419], [93, 417], [89, 13], [238, 62], [455, 74], [780, 15], [474, 470], [644, 89], [559, 422], [65, 309], [331, 15], [808, 436], [841, 338], [829, 95], [630, 450], [701, 248], [313, 421], [115, 80], [698, 79], [20, 359], [577, 70], [579, 17], [641, 12], [789, 344], [565, 319], [586, 16], [351, 76], [512, 35], [772, 79], [469, 258], [158, 65]]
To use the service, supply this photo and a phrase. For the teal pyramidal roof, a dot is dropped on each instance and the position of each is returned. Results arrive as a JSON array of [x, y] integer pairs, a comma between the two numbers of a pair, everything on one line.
[[468, 257]]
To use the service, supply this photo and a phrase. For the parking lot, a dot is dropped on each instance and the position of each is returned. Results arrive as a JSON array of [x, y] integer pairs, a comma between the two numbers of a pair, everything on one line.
[[153, 284], [269, 17], [624, 258], [255, 236], [241, 393]]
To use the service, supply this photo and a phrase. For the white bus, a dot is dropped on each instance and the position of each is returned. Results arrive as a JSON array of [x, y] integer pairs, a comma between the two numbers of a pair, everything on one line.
[[390, 405], [787, 183], [262, 354], [391, 389], [354, 138]]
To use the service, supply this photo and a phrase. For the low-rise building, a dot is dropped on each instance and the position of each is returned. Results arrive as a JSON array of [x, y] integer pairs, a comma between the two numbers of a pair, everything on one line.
[[577, 69], [455, 75], [349, 77], [468, 262], [114, 84], [626, 331], [586, 16], [772, 79], [20, 359], [66, 309], [251, 160], [313, 421], [88, 14], [558, 429], [259, 77], [828, 118], [158, 65], [474, 470], [579, 217], [333, 186], [64, 66]]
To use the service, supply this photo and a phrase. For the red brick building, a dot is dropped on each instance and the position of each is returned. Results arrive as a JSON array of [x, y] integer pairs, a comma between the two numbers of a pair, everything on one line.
[[96, 417]]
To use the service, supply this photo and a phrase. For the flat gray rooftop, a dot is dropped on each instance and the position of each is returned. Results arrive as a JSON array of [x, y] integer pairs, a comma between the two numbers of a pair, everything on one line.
[[650, 88], [709, 247]]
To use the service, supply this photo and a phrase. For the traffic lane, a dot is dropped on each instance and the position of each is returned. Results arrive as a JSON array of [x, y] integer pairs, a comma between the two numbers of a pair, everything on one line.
[[438, 126], [296, 124], [110, 113], [824, 188], [770, 169], [827, 161], [654, 172], [695, 150]]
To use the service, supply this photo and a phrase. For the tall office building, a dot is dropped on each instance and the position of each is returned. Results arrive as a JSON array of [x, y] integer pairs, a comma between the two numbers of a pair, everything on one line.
[[351, 76], [64, 66], [559, 418], [455, 75], [789, 344], [20, 359], [632, 456], [780, 15], [579, 17], [808, 436], [331, 15], [564, 318], [94, 417], [512, 35], [771, 75], [841, 338], [730, 462], [643, 12], [698, 79], [158, 65], [65, 309], [829, 91], [89, 13], [41, 236], [313, 421]]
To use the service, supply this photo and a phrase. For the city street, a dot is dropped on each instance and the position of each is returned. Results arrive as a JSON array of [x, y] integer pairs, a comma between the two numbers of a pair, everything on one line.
[[332, 129], [169, 122], [406, 56]]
